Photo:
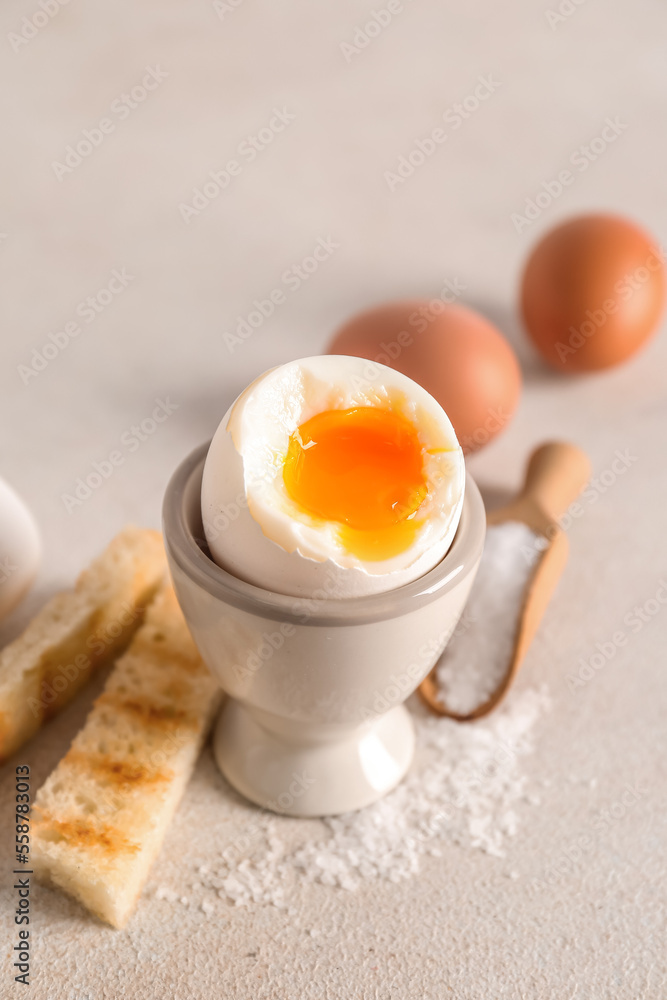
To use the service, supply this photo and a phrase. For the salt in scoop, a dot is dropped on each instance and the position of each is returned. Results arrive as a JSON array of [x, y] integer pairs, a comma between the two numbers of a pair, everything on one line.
[[555, 475]]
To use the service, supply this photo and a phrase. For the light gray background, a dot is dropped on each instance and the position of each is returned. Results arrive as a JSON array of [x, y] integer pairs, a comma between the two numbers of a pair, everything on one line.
[[462, 929]]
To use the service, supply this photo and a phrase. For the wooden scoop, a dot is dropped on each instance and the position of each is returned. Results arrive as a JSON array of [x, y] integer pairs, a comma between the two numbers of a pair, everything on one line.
[[556, 474]]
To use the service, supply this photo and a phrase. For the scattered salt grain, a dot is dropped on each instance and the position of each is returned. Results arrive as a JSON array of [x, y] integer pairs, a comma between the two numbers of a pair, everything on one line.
[[466, 787], [477, 656], [162, 892]]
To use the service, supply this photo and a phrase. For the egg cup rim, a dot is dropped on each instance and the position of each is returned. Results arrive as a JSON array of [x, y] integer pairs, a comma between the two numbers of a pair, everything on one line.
[[184, 549]]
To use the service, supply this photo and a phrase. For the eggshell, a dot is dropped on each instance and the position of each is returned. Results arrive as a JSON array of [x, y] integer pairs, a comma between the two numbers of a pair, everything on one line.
[[257, 533], [452, 351], [19, 549], [592, 292]]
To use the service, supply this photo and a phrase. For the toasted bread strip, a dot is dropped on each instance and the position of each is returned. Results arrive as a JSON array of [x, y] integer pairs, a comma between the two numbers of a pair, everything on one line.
[[75, 632], [100, 818]]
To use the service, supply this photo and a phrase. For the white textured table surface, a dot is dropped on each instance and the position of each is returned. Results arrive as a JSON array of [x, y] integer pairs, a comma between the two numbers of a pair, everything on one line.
[[461, 928]]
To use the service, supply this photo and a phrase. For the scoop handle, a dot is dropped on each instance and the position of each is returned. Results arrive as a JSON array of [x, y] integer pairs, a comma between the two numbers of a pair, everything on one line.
[[555, 476]]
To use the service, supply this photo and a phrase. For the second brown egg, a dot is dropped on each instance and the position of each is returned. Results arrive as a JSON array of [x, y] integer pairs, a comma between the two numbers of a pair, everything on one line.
[[455, 353]]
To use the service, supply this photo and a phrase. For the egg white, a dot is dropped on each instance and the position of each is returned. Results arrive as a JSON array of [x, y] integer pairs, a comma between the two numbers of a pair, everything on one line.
[[20, 549], [257, 532]]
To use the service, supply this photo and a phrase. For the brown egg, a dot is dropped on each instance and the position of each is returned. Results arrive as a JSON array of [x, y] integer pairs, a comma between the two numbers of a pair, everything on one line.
[[592, 292], [452, 351]]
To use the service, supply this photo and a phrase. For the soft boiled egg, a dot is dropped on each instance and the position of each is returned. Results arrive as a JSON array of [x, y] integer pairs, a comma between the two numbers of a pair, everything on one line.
[[332, 477], [20, 549]]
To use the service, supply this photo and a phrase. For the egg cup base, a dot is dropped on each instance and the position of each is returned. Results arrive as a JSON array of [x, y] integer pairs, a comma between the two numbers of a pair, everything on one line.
[[307, 778]]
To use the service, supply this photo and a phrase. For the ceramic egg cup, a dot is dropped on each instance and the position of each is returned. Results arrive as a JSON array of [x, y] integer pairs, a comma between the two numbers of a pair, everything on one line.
[[314, 722]]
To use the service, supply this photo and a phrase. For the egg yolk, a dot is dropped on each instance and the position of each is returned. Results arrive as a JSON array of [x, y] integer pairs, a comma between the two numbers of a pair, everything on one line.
[[364, 469]]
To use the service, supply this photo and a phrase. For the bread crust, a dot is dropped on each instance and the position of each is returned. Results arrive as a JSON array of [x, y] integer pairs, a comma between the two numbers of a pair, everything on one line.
[[100, 818], [76, 632]]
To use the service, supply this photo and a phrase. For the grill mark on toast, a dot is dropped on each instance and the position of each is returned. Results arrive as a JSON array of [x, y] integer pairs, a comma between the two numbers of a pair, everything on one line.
[[165, 717], [123, 774], [85, 834], [157, 649]]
